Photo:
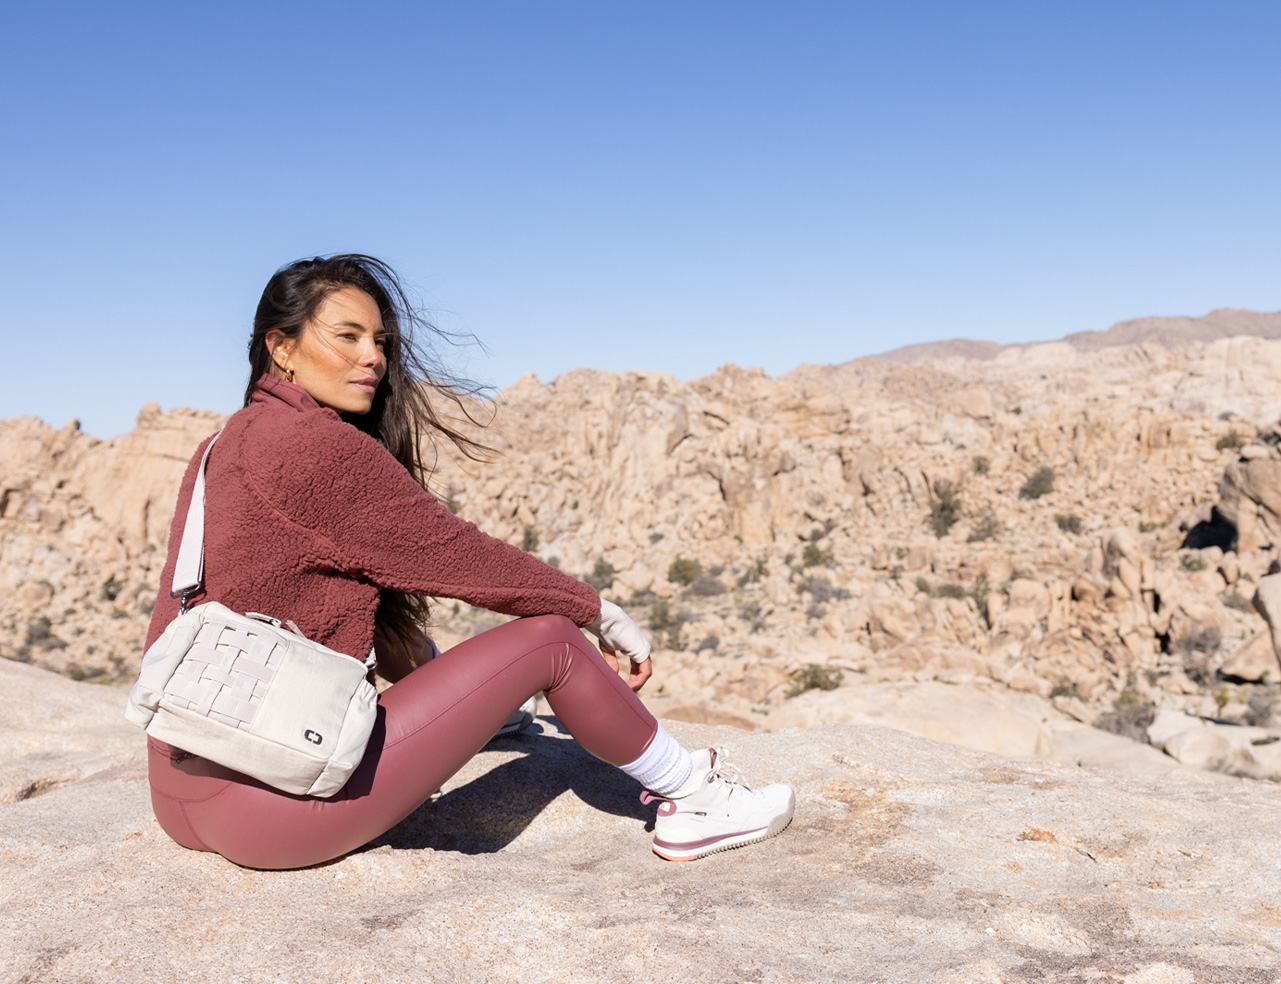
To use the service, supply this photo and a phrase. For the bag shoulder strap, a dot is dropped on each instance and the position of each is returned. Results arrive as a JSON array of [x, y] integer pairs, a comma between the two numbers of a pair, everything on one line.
[[189, 568]]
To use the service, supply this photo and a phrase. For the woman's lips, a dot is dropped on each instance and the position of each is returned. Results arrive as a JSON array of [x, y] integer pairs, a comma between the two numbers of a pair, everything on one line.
[[365, 385]]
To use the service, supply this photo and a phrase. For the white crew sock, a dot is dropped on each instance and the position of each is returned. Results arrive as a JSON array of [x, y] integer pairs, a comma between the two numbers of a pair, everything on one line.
[[663, 767], [702, 762]]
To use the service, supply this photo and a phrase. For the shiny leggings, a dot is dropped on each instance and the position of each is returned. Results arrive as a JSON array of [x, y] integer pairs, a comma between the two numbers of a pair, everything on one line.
[[429, 725]]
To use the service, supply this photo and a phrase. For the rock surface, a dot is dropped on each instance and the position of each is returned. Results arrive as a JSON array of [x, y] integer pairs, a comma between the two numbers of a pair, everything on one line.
[[908, 861]]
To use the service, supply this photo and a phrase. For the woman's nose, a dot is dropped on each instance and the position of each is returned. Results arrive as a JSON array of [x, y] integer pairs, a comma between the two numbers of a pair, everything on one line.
[[371, 354]]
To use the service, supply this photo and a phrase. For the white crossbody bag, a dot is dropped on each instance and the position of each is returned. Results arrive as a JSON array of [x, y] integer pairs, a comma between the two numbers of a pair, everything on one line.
[[249, 693]]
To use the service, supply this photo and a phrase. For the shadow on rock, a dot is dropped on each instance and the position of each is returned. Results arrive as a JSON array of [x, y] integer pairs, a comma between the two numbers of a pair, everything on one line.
[[485, 815]]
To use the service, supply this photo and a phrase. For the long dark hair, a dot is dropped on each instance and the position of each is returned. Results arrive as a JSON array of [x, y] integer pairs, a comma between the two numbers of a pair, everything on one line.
[[404, 410]]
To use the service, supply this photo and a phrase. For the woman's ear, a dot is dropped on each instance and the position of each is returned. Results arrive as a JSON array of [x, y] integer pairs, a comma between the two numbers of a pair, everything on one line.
[[281, 347]]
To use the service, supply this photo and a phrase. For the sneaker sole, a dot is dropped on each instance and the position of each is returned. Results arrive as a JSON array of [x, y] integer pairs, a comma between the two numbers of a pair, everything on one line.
[[525, 721], [714, 845]]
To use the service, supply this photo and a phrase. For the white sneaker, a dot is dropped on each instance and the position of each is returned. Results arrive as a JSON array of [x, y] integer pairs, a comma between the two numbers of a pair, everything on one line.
[[521, 719], [722, 811]]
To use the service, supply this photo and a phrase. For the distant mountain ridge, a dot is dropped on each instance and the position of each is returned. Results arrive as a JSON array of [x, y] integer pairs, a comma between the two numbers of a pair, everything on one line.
[[1220, 323]]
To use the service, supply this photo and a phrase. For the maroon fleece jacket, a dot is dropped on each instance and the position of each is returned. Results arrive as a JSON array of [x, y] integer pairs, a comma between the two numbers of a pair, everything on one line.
[[306, 518]]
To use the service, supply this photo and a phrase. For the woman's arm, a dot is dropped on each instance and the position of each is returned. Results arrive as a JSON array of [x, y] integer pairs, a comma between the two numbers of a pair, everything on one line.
[[372, 520]]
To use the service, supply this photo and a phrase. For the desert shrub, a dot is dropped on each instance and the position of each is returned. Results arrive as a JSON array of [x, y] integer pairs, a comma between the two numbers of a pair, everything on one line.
[[814, 677], [819, 532], [1197, 648], [529, 542], [1234, 599], [1065, 688], [815, 556], [1264, 711], [981, 465], [1068, 522], [655, 537], [450, 501], [752, 615], [757, 572], [39, 629], [980, 590], [1231, 441], [986, 527], [942, 591], [1206, 639], [1130, 719], [705, 586], [602, 575], [665, 624], [110, 589], [709, 641], [1040, 483], [40, 635], [821, 589], [945, 507], [660, 615], [684, 571], [1192, 563]]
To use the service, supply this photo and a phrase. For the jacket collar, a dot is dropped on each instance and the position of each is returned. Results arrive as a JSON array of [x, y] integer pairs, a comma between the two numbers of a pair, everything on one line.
[[274, 390]]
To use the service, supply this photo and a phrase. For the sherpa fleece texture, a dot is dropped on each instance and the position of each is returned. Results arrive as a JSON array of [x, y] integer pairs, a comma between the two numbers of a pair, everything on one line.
[[307, 518]]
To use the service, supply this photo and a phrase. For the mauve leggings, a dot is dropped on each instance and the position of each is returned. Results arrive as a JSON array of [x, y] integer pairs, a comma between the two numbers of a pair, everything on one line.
[[429, 725]]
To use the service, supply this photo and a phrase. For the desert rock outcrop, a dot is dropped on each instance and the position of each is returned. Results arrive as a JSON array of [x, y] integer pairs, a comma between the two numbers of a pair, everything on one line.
[[1072, 522]]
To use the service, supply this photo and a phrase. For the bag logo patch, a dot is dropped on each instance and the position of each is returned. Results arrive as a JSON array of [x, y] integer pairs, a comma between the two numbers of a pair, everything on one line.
[[315, 737]]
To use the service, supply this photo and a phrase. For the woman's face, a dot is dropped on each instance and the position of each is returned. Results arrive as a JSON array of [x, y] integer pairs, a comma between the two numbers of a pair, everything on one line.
[[339, 356]]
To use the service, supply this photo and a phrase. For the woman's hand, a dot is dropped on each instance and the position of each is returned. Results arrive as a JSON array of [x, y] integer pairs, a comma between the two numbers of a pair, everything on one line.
[[640, 672], [619, 634]]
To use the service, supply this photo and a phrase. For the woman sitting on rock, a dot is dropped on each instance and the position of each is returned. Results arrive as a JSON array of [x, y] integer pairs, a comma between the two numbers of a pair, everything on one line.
[[316, 512]]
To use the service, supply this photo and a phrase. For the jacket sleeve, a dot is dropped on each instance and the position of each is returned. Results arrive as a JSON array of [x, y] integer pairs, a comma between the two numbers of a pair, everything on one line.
[[372, 520]]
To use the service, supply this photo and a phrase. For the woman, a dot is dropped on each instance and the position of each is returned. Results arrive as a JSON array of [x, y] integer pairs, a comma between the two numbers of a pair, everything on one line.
[[315, 513]]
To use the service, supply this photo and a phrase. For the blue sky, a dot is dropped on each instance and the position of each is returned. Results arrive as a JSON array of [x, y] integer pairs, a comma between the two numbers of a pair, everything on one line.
[[666, 186]]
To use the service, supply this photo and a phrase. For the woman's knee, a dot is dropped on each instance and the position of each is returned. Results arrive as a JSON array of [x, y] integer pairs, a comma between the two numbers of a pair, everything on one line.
[[546, 629]]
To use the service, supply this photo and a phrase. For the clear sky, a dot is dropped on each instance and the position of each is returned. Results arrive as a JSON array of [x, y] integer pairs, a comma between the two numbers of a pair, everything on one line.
[[622, 186]]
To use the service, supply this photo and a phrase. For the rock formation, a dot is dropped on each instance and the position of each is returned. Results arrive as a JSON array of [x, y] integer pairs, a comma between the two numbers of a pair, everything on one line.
[[1085, 524], [83, 529]]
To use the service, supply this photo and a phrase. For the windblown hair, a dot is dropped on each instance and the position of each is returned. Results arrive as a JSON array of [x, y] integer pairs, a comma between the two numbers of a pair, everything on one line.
[[403, 413]]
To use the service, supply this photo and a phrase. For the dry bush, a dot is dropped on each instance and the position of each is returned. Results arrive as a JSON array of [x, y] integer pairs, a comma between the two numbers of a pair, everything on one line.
[[1040, 483], [945, 507], [684, 571], [815, 677]]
